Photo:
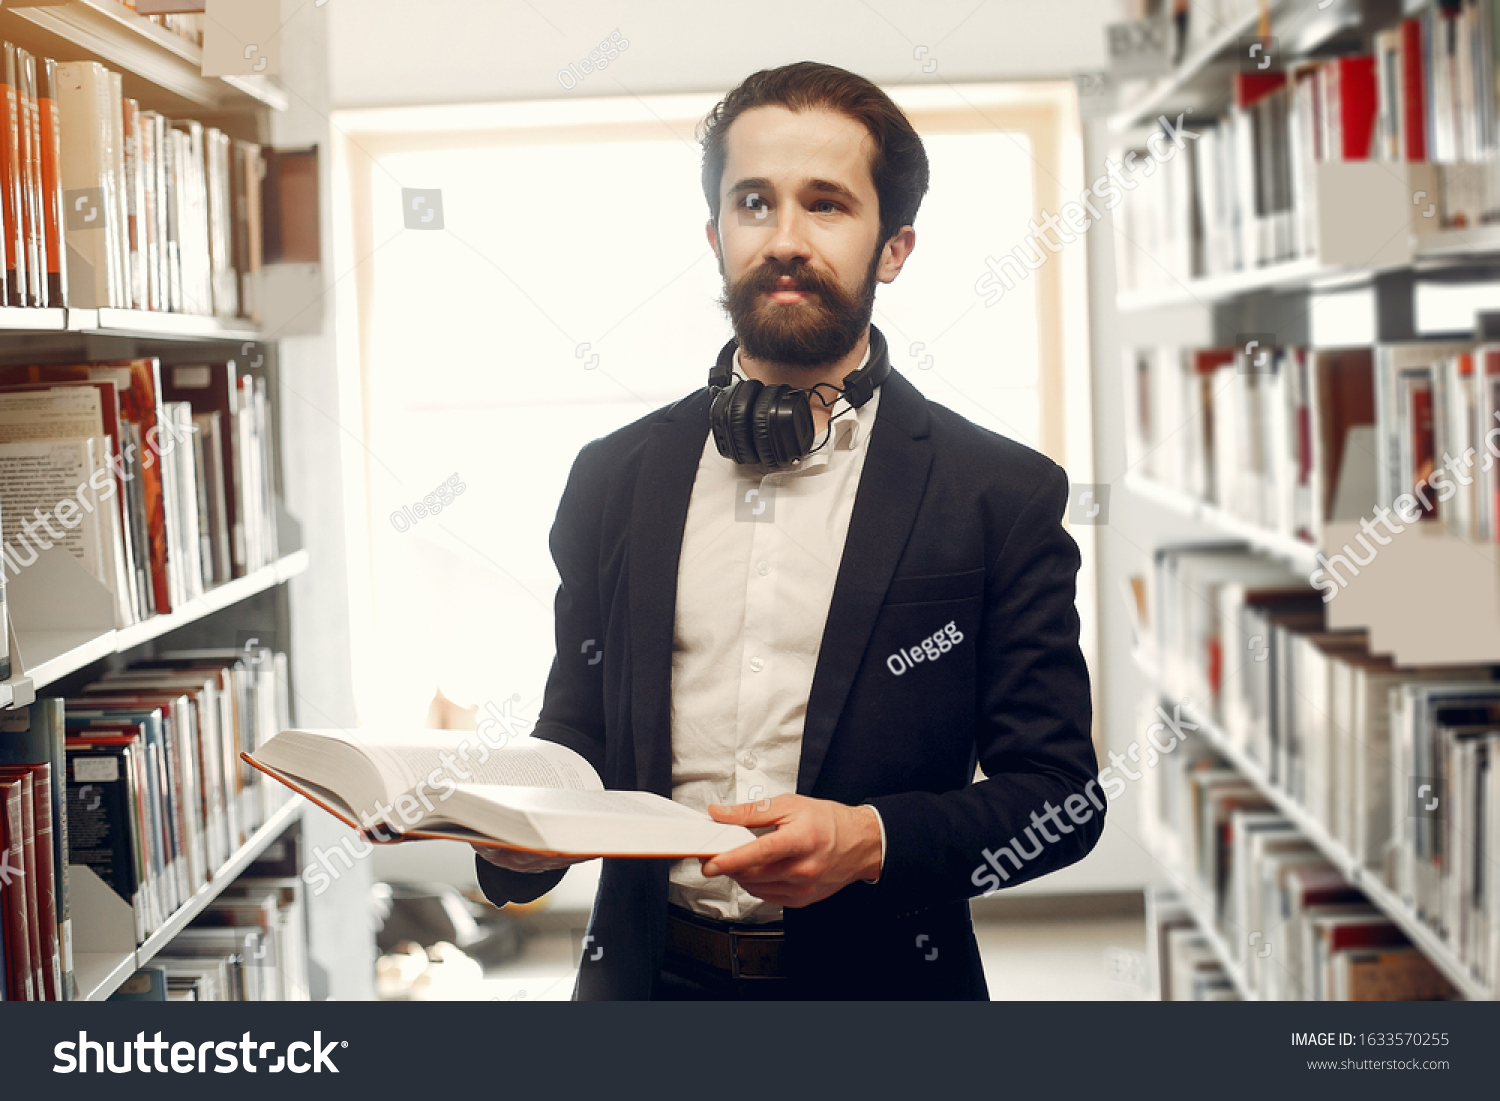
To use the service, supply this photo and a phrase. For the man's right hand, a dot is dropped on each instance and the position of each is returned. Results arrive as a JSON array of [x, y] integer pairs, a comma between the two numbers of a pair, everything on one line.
[[517, 860]]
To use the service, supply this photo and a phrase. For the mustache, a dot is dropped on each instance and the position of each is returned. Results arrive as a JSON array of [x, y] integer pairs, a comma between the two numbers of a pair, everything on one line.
[[764, 279]]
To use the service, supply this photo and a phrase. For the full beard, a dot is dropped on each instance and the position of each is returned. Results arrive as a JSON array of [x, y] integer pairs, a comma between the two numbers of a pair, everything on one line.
[[811, 333]]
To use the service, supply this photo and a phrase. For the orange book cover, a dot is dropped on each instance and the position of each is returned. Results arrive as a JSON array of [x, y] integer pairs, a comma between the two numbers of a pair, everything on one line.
[[10, 178], [52, 198], [30, 178]]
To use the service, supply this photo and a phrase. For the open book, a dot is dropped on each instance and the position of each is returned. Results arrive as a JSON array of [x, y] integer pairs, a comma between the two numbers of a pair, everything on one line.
[[531, 794]]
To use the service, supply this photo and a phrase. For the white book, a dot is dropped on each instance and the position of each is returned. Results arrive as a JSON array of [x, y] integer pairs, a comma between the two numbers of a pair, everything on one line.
[[531, 794], [119, 234], [83, 107]]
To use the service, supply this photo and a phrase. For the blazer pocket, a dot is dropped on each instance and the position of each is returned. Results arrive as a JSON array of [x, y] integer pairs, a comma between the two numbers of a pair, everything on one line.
[[932, 588]]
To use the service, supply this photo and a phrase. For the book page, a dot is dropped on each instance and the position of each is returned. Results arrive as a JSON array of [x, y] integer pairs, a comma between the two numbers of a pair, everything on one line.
[[408, 759], [36, 475], [64, 412], [585, 823]]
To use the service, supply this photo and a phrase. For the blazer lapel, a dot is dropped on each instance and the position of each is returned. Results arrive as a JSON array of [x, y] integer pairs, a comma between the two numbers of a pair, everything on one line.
[[658, 517], [885, 507]]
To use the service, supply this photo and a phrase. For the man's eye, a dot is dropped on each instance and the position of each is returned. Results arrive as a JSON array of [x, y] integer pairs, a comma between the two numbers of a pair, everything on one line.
[[829, 206], [752, 201]]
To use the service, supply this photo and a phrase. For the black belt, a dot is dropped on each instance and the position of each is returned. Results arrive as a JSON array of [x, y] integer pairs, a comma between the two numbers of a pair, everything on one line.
[[726, 949]]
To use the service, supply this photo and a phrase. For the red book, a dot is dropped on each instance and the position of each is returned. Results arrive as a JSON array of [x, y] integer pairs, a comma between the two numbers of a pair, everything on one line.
[[1423, 443], [1353, 103], [20, 977], [41, 887], [46, 882], [1251, 88], [28, 856], [1413, 91]]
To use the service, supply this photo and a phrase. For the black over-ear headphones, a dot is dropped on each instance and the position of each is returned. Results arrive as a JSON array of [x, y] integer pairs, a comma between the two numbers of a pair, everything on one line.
[[773, 425]]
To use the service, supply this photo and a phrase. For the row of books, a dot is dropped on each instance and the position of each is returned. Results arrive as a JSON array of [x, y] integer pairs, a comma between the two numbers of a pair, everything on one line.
[[1289, 438], [138, 779], [185, 25], [108, 205], [185, 452], [1295, 930], [1446, 752], [1244, 194], [1362, 746], [249, 944]]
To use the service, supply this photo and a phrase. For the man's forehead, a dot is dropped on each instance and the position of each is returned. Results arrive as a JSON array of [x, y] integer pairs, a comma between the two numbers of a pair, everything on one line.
[[797, 146]]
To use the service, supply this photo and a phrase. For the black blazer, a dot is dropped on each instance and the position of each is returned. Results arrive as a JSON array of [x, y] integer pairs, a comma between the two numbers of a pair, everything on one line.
[[950, 523]]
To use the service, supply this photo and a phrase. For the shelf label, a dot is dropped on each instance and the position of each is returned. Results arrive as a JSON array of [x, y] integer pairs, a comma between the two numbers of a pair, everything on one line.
[[96, 770]]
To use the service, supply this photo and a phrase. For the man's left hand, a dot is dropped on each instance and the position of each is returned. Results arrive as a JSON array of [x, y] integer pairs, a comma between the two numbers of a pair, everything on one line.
[[818, 848]]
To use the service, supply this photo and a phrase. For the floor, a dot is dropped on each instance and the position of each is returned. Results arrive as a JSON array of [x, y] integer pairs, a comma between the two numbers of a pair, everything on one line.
[[1059, 959]]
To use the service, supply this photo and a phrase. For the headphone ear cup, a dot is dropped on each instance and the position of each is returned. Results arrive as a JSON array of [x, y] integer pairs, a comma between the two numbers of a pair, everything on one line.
[[799, 431], [742, 401], [783, 426], [761, 422]]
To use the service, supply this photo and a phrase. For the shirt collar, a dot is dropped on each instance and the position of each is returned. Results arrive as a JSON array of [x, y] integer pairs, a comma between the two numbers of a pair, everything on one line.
[[847, 430]]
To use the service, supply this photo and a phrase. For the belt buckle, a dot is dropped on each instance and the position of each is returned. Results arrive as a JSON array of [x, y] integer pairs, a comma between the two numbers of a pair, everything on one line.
[[734, 951]]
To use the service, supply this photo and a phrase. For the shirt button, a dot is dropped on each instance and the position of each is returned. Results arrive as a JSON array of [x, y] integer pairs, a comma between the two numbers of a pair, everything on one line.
[[763, 568], [749, 760], [757, 665]]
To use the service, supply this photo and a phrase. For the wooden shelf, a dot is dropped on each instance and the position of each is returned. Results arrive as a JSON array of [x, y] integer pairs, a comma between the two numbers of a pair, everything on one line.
[[1299, 555], [100, 974], [67, 652], [1382, 897], [133, 44]]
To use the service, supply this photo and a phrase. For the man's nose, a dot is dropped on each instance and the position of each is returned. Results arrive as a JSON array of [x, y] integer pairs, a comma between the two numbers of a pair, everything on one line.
[[789, 241]]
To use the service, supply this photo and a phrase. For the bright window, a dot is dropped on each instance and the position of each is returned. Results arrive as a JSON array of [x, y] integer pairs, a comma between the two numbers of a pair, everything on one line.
[[570, 292]]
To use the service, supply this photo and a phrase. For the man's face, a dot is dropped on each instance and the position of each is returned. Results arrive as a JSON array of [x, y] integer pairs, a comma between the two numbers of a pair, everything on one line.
[[798, 237]]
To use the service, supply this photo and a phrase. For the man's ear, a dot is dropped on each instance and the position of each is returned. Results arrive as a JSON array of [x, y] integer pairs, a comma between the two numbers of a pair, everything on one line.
[[713, 238], [894, 253]]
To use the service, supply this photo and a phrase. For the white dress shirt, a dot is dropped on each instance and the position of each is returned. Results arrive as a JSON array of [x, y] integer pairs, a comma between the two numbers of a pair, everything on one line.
[[760, 553]]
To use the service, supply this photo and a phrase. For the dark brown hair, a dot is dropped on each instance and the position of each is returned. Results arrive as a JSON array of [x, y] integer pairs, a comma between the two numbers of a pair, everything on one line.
[[898, 165]]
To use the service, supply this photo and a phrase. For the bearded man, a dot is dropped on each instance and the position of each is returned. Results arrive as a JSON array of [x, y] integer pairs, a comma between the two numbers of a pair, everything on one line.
[[823, 601]]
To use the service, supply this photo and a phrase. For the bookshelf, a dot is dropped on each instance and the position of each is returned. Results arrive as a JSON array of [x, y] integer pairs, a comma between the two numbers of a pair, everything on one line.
[[1301, 555], [132, 44], [100, 973], [1198, 80], [162, 72], [1356, 873], [70, 658], [1172, 315], [1432, 251]]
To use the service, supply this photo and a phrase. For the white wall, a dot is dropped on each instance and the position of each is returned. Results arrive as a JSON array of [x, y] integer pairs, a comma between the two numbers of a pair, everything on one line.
[[387, 52]]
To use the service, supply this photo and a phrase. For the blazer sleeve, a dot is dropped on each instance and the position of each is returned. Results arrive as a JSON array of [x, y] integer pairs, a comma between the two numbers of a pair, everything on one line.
[[573, 702], [1032, 733]]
